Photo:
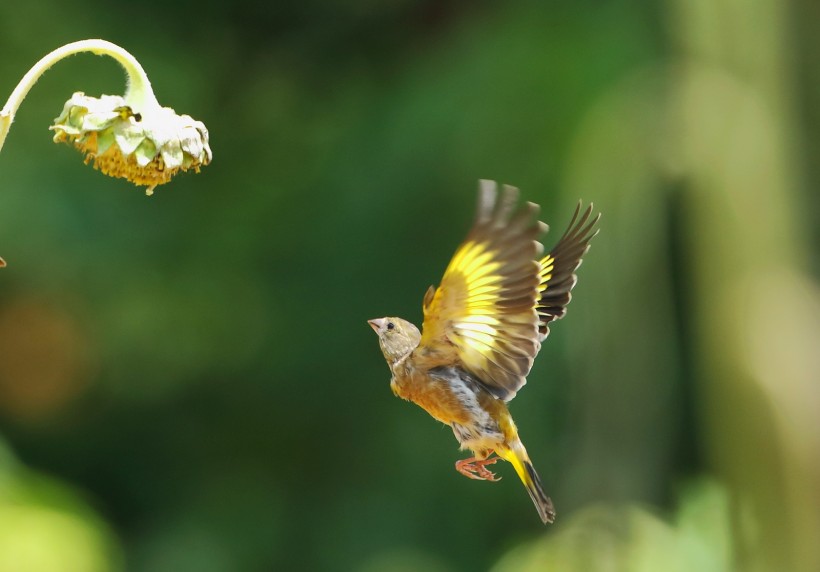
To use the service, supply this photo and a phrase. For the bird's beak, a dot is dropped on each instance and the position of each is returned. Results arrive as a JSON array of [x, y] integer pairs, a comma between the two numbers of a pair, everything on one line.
[[376, 324]]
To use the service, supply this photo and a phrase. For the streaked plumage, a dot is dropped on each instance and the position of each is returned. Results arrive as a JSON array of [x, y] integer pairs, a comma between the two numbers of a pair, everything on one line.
[[483, 326]]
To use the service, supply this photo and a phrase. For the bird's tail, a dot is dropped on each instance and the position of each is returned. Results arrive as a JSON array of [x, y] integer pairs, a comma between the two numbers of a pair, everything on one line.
[[516, 455]]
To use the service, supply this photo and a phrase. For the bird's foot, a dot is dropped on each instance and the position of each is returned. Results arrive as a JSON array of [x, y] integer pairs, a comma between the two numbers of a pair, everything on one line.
[[473, 468]]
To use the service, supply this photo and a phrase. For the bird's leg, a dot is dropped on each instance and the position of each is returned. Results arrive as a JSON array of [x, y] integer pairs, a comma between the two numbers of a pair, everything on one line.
[[475, 468]]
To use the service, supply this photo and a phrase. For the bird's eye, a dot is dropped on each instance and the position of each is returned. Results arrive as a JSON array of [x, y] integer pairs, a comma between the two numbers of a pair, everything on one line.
[[390, 325]]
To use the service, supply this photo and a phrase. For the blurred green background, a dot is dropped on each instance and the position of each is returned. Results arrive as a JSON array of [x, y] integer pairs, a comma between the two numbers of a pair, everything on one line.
[[188, 382]]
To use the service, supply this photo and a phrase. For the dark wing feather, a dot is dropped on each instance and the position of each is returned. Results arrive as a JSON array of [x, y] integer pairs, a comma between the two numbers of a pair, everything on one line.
[[558, 268]]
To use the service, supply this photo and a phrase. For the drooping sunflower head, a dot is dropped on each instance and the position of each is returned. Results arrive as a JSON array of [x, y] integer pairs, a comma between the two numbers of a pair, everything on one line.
[[147, 148]]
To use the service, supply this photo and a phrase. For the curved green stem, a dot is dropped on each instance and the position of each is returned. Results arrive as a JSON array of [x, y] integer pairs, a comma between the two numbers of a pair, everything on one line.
[[138, 94]]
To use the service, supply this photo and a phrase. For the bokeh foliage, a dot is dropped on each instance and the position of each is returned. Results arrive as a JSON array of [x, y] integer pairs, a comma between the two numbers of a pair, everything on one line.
[[188, 382]]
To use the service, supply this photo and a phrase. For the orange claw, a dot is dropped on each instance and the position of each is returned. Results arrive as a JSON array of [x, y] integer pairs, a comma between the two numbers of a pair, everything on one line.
[[473, 468], [2, 263]]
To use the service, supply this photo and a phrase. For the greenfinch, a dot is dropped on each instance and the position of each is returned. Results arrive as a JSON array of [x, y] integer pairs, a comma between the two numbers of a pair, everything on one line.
[[482, 328]]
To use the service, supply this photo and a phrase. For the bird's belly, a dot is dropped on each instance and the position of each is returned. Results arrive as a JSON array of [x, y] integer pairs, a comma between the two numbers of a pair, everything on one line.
[[481, 430], [453, 397], [478, 438]]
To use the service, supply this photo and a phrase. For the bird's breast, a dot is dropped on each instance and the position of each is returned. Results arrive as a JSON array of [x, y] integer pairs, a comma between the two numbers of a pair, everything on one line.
[[432, 393]]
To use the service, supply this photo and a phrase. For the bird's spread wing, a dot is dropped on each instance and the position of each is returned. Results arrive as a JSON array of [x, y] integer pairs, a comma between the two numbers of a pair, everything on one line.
[[558, 268], [484, 308]]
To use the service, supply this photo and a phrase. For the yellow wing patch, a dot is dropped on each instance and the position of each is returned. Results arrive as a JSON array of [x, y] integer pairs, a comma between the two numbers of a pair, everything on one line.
[[484, 308]]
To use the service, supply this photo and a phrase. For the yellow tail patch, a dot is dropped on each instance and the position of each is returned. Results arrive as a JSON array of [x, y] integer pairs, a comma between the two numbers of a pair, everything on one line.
[[517, 456]]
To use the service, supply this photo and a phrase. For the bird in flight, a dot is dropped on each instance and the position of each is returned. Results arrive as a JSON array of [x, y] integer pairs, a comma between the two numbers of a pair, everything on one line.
[[483, 326]]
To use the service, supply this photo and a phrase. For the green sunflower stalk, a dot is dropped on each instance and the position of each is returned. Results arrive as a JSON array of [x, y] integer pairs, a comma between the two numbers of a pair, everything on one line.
[[130, 136]]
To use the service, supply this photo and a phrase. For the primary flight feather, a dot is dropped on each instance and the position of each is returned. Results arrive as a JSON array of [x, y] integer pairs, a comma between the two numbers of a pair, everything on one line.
[[483, 326]]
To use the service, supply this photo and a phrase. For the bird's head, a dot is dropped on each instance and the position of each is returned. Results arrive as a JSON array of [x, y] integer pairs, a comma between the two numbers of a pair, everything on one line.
[[397, 337]]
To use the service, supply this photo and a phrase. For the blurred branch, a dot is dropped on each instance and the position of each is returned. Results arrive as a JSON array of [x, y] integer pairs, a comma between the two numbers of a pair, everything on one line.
[[715, 121], [758, 365]]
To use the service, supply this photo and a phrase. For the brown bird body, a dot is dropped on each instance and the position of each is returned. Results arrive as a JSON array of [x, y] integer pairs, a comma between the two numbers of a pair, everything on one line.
[[483, 326]]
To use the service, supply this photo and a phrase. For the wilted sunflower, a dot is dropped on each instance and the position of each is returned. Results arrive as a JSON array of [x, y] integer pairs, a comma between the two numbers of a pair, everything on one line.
[[147, 148], [132, 136]]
